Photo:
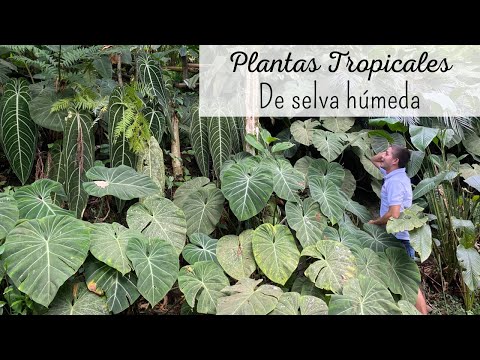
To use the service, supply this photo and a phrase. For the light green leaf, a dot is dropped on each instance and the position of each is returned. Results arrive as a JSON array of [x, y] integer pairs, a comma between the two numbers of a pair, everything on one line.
[[472, 143], [409, 219], [246, 190], [381, 240], [286, 180], [370, 265], [203, 210], [338, 124], [109, 244], [282, 146], [467, 170], [122, 182], [235, 254], [156, 265], [8, 214], [18, 132], [422, 136], [380, 143], [185, 191], [331, 199], [203, 282], [275, 252], [291, 303], [121, 291], [469, 260], [40, 255], [403, 274], [244, 298], [474, 181], [363, 296], [252, 140], [302, 131], [307, 220], [415, 163], [330, 145], [335, 267], [421, 241], [35, 200], [201, 248], [75, 299], [358, 210], [320, 168], [159, 218], [367, 164], [150, 163]]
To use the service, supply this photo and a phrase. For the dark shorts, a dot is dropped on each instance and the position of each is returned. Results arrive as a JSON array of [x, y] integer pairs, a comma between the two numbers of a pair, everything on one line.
[[408, 248]]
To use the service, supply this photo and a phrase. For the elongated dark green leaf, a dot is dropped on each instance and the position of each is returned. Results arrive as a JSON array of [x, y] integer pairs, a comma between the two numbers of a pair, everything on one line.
[[121, 291], [156, 265], [18, 132], [35, 200], [275, 252], [286, 180], [203, 210], [302, 131], [119, 148], [469, 260], [329, 144], [403, 276], [286, 136], [183, 193], [40, 255], [244, 298], [200, 248], [307, 220], [156, 121], [200, 145], [235, 254], [56, 167], [422, 136], [151, 75], [236, 139], [40, 110], [415, 163], [75, 299], [109, 244], [202, 282], [8, 214], [220, 142], [335, 267], [331, 199], [338, 124], [122, 182], [158, 217], [79, 153], [247, 191], [363, 296]]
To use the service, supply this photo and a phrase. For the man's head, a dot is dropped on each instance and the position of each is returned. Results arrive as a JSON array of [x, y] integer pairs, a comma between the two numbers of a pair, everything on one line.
[[395, 157]]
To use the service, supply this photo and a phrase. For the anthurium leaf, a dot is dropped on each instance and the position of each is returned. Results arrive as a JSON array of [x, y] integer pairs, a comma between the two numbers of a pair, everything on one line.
[[203, 210], [338, 124], [8, 214], [292, 303], [307, 220], [275, 252], [201, 248], [201, 283], [75, 299], [302, 131], [235, 254], [183, 193], [244, 298]]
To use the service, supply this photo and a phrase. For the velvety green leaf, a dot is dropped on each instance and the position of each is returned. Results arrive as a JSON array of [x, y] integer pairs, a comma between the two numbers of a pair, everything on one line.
[[151, 75], [307, 220], [409, 219], [199, 140], [200, 248], [103, 65], [330, 145], [415, 163], [331, 199], [392, 123], [335, 267], [291, 303], [380, 239], [235, 254], [349, 184], [358, 210], [185, 191], [202, 282], [159, 218], [40, 110], [421, 241], [156, 265], [203, 210], [220, 142], [302, 131], [320, 168], [407, 308], [286, 136], [286, 180], [156, 121], [363, 296], [8, 214], [364, 158], [75, 299], [422, 136], [40, 255], [244, 298], [370, 265]]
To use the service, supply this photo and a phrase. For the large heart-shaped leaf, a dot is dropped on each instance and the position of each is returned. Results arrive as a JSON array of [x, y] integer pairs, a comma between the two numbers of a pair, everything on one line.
[[472, 143], [364, 158], [183, 193], [109, 244], [335, 267], [201, 248], [156, 265], [304, 286], [381, 239], [307, 220], [122, 182], [408, 309], [121, 290], [75, 299], [302, 131], [363, 296], [199, 140], [421, 241], [331, 199], [370, 265], [286, 180], [202, 281], [329, 144], [244, 298], [409, 219], [320, 168], [394, 124], [35, 200], [40, 255], [286, 137], [103, 65], [275, 251], [203, 210], [422, 136], [415, 163], [235, 254], [467, 170], [246, 190], [40, 110], [381, 143], [403, 274], [349, 184], [159, 218], [469, 260], [338, 124], [8, 214], [292, 303], [18, 132], [358, 210]]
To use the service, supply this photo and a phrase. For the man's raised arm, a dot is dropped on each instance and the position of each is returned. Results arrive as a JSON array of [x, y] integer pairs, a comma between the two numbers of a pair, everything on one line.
[[377, 159]]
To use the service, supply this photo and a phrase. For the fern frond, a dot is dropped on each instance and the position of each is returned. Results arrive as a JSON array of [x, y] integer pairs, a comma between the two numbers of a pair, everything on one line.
[[72, 56], [127, 120], [61, 104]]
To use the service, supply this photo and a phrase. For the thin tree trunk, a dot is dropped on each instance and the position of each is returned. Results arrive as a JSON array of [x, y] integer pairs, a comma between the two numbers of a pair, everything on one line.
[[119, 70], [175, 149]]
